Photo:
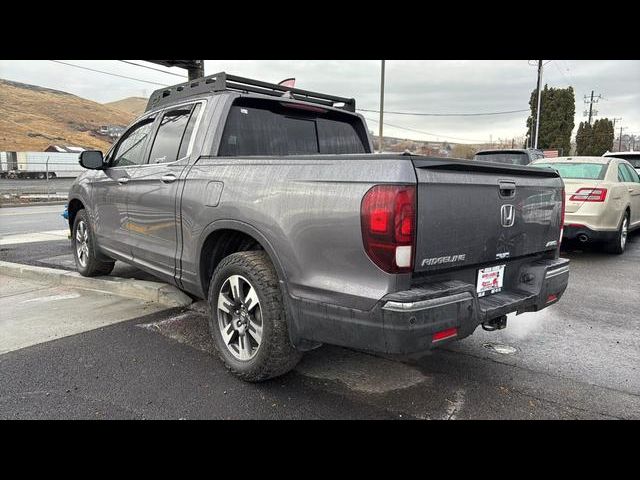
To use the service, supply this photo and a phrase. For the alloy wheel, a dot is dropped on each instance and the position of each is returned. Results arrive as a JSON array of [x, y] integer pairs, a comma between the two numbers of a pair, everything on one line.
[[240, 317]]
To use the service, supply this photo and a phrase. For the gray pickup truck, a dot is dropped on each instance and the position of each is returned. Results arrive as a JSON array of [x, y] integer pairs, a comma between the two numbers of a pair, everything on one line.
[[269, 202]]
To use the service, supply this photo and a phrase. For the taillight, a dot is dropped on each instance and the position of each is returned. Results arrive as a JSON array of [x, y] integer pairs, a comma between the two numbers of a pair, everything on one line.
[[388, 218], [589, 195]]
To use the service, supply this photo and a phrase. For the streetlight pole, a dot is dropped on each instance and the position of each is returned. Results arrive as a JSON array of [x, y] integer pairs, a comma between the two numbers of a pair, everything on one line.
[[381, 107], [538, 107]]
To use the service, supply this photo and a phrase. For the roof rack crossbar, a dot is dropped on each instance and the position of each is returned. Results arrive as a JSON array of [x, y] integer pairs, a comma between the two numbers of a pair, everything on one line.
[[222, 81]]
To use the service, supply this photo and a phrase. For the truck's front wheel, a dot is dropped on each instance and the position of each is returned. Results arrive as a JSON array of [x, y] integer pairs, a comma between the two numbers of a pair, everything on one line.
[[247, 320], [84, 248]]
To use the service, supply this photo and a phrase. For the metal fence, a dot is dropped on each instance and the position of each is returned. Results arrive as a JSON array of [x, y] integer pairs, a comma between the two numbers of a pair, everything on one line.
[[37, 181]]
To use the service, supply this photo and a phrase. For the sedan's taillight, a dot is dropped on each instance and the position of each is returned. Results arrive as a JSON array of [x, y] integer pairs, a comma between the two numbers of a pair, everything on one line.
[[589, 195], [388, 218]]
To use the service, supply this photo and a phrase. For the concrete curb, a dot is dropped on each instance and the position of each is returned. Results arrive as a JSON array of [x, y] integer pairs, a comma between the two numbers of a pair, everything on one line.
[[161, 293]]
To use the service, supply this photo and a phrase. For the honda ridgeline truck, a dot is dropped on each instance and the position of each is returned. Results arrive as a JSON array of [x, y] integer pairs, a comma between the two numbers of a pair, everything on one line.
[[269, 202]]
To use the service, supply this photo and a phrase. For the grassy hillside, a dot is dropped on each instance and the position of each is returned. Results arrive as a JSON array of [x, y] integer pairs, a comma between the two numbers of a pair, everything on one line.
[[134, 105], [32, 117]]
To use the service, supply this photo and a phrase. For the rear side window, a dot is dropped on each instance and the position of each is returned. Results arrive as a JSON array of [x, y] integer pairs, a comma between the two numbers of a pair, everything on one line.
[[171, 135], [624, 175], [267, 128]]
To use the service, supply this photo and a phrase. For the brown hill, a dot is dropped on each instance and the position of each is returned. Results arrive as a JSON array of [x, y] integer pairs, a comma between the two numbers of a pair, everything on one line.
[[32, 117], [135, 105]]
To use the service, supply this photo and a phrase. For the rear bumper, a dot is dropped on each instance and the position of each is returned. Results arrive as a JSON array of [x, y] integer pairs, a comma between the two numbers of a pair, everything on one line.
[[405, 322], [583, 233]]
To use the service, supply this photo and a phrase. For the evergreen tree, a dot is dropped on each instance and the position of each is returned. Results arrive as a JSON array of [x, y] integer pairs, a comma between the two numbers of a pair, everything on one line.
[[584, 137], [594, 140], [557, 111], [602, 137]]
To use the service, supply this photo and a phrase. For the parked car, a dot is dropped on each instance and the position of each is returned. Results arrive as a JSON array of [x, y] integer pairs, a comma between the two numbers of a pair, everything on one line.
[[510, 156], [603, 199], [632, 157], [268, 201]]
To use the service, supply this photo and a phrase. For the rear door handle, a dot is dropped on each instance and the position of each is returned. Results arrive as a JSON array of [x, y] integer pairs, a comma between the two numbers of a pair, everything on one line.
[[631, 190], [169, 178], [123, 180]]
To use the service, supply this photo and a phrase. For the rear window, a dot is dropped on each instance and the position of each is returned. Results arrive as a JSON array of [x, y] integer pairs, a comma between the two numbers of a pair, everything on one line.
[[632, 159], [257, 127], [585, 171], [515, 158]]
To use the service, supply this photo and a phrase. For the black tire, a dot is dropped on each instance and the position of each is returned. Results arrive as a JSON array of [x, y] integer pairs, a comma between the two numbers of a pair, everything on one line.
[[619, 243], [40, 176], [89, 265], [275, 355]]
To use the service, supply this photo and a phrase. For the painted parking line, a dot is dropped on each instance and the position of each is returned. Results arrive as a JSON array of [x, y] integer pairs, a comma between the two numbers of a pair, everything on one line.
[[48, 236]]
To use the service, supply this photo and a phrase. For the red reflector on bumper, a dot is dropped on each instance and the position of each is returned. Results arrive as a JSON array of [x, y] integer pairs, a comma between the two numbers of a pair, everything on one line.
[[552, 298], [449, 332]]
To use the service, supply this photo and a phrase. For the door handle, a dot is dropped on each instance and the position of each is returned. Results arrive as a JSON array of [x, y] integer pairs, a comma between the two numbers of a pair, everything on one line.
[[169, 178], [123, 180], [631, 190]]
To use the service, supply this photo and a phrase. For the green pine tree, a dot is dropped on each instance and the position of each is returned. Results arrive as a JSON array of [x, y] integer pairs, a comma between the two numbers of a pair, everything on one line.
[[557, 111]]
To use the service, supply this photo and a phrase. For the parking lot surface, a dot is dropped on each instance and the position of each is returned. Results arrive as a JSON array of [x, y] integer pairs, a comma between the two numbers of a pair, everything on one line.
[[578, 359]]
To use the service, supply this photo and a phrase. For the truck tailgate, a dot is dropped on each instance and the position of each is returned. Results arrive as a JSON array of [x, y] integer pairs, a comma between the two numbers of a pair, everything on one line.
[[471, 212]]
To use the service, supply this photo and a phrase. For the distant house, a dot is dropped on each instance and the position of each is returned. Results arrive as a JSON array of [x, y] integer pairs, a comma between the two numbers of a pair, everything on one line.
[[113, 131], [64, 149]]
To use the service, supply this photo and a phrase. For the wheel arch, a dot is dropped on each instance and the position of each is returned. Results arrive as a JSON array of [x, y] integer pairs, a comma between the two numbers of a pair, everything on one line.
[[224, 237]]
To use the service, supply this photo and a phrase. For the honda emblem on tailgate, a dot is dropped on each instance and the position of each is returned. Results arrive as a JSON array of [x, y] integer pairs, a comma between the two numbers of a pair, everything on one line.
[[507, 215]]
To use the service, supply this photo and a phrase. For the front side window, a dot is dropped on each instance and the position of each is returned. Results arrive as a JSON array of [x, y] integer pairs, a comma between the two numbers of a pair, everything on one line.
[[130, 150], [169, 137]]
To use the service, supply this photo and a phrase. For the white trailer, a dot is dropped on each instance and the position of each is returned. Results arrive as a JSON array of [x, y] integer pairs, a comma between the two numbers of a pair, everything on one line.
[[42, 164]]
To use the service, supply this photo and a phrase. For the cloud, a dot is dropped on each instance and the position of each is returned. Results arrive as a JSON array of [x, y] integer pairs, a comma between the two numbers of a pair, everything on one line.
[[434, 86]]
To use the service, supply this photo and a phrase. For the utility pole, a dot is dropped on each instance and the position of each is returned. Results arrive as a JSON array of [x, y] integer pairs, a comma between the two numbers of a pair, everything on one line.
[[538, 107], [620, 140], [381, 106], [197, 70], [591, 102], [614, 121]]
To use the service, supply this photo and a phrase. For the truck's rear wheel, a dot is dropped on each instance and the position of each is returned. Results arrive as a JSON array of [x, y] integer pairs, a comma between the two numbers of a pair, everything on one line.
[[247, 321], [84, 248]]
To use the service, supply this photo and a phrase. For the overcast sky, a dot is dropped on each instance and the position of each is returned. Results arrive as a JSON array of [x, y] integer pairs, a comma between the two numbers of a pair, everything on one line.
[[456, 86]]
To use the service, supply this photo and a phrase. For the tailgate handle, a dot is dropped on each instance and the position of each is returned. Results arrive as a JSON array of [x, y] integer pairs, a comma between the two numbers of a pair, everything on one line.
[[507, 189]]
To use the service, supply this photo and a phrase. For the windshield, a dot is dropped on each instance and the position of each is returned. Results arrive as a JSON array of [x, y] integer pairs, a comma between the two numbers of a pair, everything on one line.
[[585, 171], [511, 158]]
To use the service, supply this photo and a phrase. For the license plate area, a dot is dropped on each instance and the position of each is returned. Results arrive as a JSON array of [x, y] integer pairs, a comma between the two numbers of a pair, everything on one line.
[[490, 280]]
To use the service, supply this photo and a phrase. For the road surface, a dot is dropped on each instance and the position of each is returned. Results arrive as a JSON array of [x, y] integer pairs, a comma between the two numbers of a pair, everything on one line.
[[578, 359]]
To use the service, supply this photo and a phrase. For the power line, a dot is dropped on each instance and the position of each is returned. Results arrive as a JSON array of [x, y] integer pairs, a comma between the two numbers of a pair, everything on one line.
[[445, 114], [475, 140], [109, 73], [151, 68]]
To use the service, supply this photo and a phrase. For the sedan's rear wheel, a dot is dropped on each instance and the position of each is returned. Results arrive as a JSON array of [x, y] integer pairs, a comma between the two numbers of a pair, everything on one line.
[[619, 243]]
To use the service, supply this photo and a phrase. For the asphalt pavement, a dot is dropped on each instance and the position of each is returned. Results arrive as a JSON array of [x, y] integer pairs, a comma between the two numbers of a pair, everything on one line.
[[579, 358], [37, 218]]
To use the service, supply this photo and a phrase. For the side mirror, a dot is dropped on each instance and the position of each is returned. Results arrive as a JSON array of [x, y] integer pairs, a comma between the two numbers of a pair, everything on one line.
[[92, 159]]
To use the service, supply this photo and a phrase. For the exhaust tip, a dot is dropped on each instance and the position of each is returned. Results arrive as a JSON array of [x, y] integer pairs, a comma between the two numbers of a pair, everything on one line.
[[583, 238]]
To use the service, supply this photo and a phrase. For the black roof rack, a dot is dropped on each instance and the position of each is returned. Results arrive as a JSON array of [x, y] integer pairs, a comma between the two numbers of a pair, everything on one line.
[[223, 81]]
